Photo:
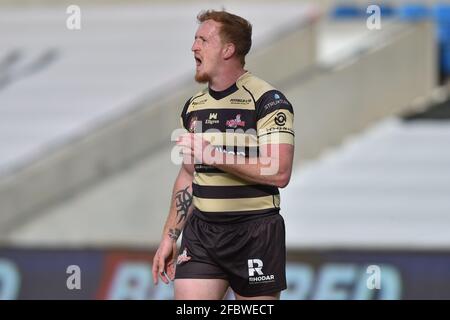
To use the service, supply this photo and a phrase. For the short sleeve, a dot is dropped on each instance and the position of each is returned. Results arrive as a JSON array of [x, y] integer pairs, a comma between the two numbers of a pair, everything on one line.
[[274, 119], [183, 116]]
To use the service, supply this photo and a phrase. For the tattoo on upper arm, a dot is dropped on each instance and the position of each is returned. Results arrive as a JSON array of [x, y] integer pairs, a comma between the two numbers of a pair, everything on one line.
[[183, 200], [174, 234]]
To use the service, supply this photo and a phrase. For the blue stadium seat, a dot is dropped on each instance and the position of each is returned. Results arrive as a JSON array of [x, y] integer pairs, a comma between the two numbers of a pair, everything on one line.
[[354, 11], [442, 17], [347, 11], [445, 58], [442, 12], [414, 12], [387, 11]]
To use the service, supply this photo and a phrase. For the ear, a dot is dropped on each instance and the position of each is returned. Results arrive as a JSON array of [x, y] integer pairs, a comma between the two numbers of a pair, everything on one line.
[[228, 51]]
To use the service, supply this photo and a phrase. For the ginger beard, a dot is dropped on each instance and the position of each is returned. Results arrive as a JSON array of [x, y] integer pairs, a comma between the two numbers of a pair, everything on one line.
[[201, 75], [205, 71]]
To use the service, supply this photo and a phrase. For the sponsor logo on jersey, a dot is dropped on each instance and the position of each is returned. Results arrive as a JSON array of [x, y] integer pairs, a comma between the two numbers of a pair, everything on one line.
[[192, 124], [280, 119], [237, 122], [199, 102], [212, 118], [240, 101], [231, 152], [275, 103], [278, 129]]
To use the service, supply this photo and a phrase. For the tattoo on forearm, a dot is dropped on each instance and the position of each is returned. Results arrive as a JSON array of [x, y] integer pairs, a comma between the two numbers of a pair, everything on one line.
[[183, 201], [174, 234]]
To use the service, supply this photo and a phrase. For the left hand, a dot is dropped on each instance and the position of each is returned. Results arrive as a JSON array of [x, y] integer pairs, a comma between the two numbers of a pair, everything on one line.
[[164, 261]]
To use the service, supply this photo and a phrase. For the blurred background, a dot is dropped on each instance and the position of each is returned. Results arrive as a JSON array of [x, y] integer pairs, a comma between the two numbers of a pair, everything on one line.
[[87, 111]]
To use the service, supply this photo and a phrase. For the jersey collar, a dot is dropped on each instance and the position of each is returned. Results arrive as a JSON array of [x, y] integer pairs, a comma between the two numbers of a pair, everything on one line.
[[222, 94]]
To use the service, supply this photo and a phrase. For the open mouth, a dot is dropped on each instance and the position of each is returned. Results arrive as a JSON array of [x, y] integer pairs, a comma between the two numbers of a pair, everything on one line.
[[198, 61]]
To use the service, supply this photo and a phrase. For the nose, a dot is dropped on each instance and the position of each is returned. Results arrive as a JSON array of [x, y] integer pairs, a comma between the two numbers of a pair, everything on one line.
[[195, 46]]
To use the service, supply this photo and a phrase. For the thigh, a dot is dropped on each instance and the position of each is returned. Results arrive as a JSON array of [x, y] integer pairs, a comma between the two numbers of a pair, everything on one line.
[[200, 289], [273, 296]]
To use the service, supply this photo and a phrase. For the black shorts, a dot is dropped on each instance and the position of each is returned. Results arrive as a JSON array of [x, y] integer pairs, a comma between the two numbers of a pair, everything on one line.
[[247, 250]]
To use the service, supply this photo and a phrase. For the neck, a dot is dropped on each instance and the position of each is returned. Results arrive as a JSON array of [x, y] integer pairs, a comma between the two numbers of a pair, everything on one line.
[[224, 79]]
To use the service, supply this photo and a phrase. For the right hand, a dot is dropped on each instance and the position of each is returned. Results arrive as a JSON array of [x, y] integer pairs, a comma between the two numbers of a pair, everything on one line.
[[164, 261]]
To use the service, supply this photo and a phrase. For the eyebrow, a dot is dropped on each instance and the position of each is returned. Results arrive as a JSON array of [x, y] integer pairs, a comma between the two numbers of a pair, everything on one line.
[[201, 37]]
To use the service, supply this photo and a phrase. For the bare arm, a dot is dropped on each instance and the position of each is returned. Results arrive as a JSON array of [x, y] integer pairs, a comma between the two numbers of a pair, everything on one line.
[[180, 208], [271, 168], [181, 203]]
